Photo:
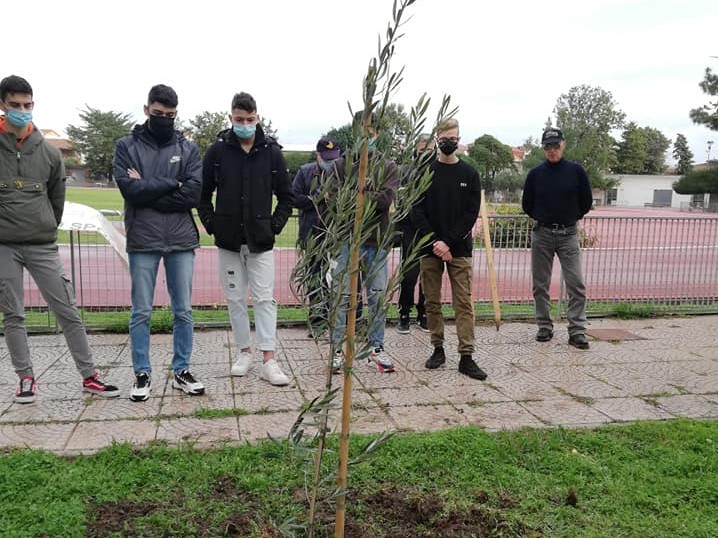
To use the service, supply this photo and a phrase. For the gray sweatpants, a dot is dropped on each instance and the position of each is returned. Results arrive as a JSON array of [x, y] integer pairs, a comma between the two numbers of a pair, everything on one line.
[[545, 243], [43, 263]]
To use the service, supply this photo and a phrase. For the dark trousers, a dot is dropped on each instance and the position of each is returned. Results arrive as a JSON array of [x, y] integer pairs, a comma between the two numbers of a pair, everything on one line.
[[410, 278]]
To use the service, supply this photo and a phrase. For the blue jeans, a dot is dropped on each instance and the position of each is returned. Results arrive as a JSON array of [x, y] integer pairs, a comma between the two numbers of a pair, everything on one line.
[[373, 263], [143, 273]]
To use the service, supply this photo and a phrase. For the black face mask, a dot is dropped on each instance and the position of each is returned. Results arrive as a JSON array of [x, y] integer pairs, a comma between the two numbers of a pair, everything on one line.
[[162, 128], [447, 147]]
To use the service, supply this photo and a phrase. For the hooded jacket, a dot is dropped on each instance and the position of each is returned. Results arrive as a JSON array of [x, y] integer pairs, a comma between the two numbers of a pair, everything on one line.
[[245, 183], [32, 188], [158, 207]]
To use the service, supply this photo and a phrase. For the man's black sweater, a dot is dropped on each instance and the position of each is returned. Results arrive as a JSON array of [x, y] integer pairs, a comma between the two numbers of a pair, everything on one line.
[[450, 207], [557, 193]]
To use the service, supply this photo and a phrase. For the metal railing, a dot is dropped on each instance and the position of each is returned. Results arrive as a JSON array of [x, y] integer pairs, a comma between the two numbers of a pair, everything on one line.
[[664, 264]]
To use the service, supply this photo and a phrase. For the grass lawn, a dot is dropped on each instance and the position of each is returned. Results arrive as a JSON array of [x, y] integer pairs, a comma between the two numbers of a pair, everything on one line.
[[110, 198], [648, 479]]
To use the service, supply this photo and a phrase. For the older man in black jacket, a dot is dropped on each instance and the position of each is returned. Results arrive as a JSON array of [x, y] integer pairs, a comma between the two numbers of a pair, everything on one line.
[[158, 172], [247, 169]]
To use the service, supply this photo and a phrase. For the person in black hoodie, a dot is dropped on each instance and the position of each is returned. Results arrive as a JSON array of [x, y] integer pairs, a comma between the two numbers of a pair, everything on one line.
[[447, 214], [247, 169], [557, 193], [424, 155], [159, 175]]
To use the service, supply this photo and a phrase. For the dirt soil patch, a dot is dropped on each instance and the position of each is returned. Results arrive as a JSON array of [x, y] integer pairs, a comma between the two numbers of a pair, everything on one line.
[[392, 511]]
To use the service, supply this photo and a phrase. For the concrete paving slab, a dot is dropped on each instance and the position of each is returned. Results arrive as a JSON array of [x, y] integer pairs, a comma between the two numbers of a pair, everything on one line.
[[673, 372]]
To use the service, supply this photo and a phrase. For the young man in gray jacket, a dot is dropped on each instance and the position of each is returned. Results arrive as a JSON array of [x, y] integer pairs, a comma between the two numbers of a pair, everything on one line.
[[159, 173], [32, 197]]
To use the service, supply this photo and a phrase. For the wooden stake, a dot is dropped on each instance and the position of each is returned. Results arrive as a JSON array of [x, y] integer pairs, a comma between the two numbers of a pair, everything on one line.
[[350, 337], [490, 261]]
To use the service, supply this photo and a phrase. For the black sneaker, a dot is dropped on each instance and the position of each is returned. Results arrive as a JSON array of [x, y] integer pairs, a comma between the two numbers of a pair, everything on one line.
[[403, 327], [544, 334], [25, 393], [140, 390], [422, 322], [578, 341], [95, 385], [468, 367], [186, 382], [438, 357]]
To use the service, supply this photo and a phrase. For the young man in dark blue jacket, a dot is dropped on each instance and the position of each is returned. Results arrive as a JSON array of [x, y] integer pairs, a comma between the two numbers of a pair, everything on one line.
[[557, 193], [247, 169], [159, 174], [307, 188]]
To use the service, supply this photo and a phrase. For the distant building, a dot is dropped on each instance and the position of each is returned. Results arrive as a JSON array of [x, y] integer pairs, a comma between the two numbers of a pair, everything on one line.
[[650, 191]]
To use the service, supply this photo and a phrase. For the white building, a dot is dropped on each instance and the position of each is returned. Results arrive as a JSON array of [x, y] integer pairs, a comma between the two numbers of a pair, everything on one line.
[[651, 191]]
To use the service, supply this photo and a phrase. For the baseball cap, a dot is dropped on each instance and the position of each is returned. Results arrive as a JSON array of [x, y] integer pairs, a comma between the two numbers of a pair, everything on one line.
[[328, 148], [551, 136]]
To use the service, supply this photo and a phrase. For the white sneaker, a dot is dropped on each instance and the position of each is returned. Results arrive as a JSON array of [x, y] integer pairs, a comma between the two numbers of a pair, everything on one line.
[[140, 390], [337, 362], [242, 364], [273, 373], [382, 361]]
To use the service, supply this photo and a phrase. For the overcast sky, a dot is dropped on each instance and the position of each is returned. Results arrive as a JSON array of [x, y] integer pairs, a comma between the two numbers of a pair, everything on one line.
[[503, 63]]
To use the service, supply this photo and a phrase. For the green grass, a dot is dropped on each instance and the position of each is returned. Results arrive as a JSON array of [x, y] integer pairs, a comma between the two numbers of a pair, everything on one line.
[[651, 479], [161, 321], [110, 198]]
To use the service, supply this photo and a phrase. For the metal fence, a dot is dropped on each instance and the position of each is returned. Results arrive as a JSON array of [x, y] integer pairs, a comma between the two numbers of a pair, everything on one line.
[[663, 264]]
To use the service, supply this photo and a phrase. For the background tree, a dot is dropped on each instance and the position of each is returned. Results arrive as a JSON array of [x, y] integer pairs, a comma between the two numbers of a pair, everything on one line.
[[632, 152], [394, 127], [587, 115], [707, 114], [268, 129], [204, 127], [492, 157], [642, 151], [343, 135], [97, 136], [533, 154], [683, 155]]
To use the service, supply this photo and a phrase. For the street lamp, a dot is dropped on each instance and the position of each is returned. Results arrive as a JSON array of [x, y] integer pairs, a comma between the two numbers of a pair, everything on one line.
[[709, 144]]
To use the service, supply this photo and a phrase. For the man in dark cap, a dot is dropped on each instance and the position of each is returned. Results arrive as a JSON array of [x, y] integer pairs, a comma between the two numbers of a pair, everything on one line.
[[557, 193]]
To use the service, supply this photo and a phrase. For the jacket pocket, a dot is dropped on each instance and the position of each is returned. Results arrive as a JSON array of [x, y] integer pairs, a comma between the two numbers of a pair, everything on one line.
[[27, 214], [262, 231], [223, 228]]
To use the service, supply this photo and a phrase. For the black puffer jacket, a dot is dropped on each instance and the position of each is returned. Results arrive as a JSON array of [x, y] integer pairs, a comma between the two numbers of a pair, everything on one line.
[[245, 184], [158, 207]]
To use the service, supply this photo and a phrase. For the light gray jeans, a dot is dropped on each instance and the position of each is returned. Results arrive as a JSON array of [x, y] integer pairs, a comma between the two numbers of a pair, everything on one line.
[[237, 272], [545, 243], [43, 264]]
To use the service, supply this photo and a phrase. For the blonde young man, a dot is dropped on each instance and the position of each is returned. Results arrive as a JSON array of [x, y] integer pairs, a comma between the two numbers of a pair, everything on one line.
[[447, 213]]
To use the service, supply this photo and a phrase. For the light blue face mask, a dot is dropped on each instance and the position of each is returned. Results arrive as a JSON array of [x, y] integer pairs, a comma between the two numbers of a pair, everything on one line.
[[325, 165], [244, 131], [19, 118], [371, 145]]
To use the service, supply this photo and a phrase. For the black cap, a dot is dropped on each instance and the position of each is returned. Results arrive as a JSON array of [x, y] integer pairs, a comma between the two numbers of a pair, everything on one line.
[[551, 136]]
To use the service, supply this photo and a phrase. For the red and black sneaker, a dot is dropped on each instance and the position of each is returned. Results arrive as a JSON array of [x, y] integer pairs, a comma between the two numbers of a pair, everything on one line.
[[25, 393], [95, 385]]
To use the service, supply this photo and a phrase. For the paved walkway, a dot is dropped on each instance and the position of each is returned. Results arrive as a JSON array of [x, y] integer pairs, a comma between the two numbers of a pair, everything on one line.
[[670, 370]]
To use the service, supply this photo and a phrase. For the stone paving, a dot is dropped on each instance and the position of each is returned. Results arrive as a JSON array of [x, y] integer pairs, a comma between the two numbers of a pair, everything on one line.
[[669, 370]]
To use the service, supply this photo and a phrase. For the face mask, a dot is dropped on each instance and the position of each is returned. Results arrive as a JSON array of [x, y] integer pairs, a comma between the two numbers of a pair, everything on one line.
[[371, 145], [244, 131], [326, 165], [448, 147], [162, 128], [19, 118]]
